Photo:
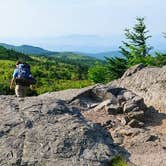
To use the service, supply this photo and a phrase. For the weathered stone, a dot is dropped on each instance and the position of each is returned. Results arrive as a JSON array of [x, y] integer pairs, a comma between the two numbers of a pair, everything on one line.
[[118, 138], [152, 138], [37, 131], [128, 131], [149, 83], [114, 109], [115, 90], [135, 123], [100, 92], [109, 106], [108, 124], [105, 104], [133, 70], [136, 104], [138, 115], [123, 119], [128, 95], [129, 106]]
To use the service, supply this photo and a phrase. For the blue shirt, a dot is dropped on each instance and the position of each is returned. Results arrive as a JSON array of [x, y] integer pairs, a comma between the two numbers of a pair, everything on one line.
[[15, 74]]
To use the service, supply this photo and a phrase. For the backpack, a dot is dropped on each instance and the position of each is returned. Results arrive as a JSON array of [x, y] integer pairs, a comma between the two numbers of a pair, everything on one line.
[[23, 71], [24, 75]]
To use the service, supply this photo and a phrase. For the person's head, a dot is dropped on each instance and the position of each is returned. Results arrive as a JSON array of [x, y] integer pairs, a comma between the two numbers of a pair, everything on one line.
[[17, 63]]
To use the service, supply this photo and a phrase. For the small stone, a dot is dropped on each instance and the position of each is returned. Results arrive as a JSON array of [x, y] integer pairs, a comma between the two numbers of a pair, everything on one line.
[[28, 124], [135, 123], [114, 109], [152, 138], [136, 115]]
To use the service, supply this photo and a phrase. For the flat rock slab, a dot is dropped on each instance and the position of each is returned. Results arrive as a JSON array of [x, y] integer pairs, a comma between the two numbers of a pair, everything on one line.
[[41, 132], [67, 95]]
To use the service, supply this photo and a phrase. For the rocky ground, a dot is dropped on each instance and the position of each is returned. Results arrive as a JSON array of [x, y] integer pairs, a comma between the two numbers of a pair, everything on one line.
[[47, 132], [88, 126], [144, 136]]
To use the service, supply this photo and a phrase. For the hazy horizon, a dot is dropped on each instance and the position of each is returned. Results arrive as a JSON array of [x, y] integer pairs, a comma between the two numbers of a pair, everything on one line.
[[85, 26], [75, 43]]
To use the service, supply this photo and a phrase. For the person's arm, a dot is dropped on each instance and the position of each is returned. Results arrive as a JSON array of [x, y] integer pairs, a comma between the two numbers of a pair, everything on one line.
[[12, 83], [13, 79], [31, 87]]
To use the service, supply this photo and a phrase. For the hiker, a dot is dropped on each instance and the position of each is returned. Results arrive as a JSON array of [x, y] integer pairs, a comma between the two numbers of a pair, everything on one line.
[[22, 78]]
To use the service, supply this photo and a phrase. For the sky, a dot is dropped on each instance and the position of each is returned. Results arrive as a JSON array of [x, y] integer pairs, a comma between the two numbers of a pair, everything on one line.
[[81, 25]]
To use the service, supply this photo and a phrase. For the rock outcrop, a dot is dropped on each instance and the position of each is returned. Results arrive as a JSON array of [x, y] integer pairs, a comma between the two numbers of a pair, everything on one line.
[[41, 131], [88, 126], [147, 82], [47, 130]]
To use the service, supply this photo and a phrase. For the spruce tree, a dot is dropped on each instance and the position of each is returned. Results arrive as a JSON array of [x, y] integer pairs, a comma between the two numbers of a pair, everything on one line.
[[135, 50], [136, 37]]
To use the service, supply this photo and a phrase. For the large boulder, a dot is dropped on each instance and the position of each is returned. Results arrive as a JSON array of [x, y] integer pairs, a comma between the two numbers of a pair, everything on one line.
[[45, 131], [147, 82]]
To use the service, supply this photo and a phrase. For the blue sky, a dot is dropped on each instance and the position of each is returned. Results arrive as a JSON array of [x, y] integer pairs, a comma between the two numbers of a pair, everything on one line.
[[71, 24]]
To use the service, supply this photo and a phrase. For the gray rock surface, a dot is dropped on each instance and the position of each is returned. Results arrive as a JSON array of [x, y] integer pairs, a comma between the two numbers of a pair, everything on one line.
[[41, 132], [66, 128], [115, 104], [148, 82]]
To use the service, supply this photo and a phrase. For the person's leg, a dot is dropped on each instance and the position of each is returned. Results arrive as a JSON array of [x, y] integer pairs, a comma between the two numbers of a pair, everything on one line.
[[24, 91], [17, 90], [20, 91]]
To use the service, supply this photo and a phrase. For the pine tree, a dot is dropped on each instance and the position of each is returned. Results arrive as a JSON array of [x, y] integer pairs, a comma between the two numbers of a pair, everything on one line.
[[136, 40], [135, 50]]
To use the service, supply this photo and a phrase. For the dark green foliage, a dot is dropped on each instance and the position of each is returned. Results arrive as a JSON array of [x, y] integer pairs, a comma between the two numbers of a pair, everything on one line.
[[136, 40], [51, 74], [160, 59], [116, 67], [98, 73], [76, 59], [13, 55], [135, 50]]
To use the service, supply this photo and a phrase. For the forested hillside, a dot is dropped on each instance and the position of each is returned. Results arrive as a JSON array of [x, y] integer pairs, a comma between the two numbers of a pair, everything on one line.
[[63, 70], [27, 49], [52, 74]]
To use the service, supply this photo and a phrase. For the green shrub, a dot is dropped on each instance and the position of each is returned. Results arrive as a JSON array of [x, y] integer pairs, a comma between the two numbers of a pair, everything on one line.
[[118, 161], [98, 73]]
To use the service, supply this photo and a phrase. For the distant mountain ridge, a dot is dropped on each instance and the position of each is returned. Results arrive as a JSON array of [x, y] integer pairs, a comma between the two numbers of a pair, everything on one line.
[[102, 55], [27, 49], [9, 52]]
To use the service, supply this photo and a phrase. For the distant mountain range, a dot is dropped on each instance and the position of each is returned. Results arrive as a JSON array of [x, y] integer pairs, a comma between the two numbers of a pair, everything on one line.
[[27, 49], [102, 55]]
